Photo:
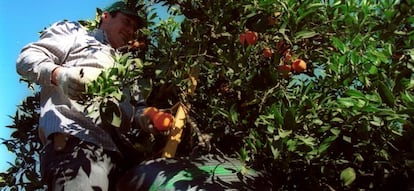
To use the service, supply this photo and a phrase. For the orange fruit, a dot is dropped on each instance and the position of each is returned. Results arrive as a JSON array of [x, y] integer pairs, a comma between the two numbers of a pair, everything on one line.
[[299, 65], [242, 38], [150, 111], [267, 52], [162, 121], [284, 70], [251, 37], [135, 44]]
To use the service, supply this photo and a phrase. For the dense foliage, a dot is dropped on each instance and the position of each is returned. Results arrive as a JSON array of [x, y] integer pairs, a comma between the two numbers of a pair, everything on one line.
[[344, 122]]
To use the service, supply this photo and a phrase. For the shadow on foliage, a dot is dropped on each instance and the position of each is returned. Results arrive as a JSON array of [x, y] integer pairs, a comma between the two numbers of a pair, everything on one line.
[[209, 172]]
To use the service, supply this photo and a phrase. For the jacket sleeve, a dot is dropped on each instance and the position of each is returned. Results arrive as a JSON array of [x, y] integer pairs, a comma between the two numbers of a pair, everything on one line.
[[37, 60]]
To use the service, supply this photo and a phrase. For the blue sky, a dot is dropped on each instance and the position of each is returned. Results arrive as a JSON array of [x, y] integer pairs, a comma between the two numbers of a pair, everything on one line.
[[20, 22]]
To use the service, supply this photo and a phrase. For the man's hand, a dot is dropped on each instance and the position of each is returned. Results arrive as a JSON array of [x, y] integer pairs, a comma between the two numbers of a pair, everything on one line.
[[73, 80]]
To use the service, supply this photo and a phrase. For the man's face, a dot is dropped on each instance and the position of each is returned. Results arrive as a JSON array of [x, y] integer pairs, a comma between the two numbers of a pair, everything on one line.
[[119, 28]]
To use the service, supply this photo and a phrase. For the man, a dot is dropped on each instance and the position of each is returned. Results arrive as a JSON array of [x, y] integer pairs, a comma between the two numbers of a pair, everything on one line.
[[77, 154]]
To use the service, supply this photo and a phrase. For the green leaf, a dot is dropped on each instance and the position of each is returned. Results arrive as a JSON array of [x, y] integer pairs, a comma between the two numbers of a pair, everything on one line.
[[376, 123], [323, 147], [380, 56], [408, 99], [408, 111], [270, 129], [278, 116], [110, 113], [309, 10], [291, 145], [339, 44], [153, 16], [346, 102], [347, 139], [373, 70], [384, 154], [309, 141], [305, 34], [348, 176], [275, 152], [284, 133], [136, 62], [243, 154], [317, 122], [335, 131], [234, 114], [237, 82], [359, 158], [409, 163], [337, 119], [116, 120], [289, 121], [386, 94], [370, 108], [264, 120], [158, 72], [326, 143], [355, 93]]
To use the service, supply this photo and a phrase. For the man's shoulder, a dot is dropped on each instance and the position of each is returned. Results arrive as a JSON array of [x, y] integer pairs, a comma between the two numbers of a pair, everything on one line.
[[68, 27]]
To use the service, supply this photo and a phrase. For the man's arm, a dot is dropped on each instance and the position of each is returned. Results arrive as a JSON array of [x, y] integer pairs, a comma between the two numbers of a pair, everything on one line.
[[37, 60]]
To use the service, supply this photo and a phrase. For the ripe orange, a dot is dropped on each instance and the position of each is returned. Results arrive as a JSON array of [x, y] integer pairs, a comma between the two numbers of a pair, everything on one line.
[[299, 65], [242, 38], [284, 70], [267, 52], [162, 121], [150, 111], [135, 44], [251, 37]]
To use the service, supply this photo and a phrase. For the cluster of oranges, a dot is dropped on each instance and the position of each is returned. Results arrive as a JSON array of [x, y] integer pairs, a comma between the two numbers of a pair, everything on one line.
[[250, 37], [287, 65], [297, 66], [135, 45], [162, 120]]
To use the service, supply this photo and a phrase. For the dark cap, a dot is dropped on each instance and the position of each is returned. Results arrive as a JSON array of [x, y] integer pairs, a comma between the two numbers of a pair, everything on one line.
[[122, 7], [129, 9]]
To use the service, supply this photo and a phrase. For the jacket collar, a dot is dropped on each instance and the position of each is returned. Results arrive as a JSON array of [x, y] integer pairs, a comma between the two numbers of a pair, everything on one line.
[[100, 35]]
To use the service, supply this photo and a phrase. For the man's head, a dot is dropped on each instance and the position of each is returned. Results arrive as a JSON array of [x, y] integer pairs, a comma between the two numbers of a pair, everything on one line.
[[120, 21]]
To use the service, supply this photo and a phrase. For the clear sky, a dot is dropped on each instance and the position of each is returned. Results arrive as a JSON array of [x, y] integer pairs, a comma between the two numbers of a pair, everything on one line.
[[20, 22]]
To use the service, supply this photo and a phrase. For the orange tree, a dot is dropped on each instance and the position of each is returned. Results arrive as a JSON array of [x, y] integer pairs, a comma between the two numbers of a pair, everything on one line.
[[341, 120], [319, 94]]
